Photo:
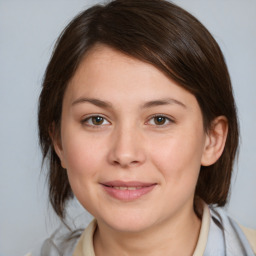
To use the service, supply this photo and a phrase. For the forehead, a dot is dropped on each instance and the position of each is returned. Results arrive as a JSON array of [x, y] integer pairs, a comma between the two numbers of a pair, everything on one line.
[[111, 75], [108, 63]]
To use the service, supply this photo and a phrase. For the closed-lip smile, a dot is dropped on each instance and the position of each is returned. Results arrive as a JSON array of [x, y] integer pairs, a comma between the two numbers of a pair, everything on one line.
[[127, 190]]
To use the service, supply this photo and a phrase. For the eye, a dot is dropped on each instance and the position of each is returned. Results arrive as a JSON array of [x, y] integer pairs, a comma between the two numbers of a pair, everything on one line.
[[159, 120], [95, 121]]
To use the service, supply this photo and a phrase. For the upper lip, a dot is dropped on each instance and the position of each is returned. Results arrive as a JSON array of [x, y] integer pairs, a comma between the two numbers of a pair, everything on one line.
[[119, 183]]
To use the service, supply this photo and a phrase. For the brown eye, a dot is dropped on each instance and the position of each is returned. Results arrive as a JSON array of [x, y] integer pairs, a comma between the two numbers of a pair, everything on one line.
[[159, 120], [97, 120]]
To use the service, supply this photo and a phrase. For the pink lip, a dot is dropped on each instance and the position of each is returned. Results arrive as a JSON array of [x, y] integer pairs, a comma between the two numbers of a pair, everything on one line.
[[129, 190]]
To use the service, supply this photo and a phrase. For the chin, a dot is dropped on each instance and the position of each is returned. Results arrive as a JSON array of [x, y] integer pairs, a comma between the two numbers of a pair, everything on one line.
[[129, 222]]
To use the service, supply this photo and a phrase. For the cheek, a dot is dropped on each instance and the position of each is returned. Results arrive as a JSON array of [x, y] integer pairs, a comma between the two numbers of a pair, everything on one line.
[[82, 154], [83, 160], [179, 158]]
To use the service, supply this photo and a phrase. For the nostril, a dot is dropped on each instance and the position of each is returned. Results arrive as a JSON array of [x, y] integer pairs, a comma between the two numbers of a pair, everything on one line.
[[125, 164], [134, 162], [116, 163]]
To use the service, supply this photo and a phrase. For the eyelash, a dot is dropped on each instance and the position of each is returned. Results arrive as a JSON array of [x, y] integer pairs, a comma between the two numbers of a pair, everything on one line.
[[168, 119], [86, 121]]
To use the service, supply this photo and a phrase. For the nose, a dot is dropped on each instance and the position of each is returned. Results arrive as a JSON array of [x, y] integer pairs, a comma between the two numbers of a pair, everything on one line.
[[127, 148]]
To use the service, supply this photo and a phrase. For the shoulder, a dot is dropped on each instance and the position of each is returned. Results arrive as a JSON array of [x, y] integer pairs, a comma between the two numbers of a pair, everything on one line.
[[61, 243], [236, 238], [64, 239]]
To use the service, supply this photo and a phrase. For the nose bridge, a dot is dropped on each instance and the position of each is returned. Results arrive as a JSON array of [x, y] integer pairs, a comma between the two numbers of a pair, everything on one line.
[[127, 145]]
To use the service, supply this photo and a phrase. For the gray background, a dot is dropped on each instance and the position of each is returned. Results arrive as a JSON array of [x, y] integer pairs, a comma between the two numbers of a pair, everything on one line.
[[28, 32]]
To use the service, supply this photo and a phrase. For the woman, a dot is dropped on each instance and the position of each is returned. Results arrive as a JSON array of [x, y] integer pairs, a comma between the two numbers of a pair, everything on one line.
[[138, 119]]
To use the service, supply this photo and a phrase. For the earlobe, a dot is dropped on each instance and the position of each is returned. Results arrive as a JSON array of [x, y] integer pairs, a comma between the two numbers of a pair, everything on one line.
[[57, 145], [215, 141]]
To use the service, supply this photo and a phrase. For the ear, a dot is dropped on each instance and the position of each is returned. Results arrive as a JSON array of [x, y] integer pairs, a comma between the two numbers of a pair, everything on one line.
[[215, 141], [57, 144]]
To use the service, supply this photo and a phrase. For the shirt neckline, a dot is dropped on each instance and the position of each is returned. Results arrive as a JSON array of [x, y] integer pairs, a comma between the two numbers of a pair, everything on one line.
[[85, 243]]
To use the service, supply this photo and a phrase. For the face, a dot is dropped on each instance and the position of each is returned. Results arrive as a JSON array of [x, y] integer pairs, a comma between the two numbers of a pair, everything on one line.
[[132, 141]]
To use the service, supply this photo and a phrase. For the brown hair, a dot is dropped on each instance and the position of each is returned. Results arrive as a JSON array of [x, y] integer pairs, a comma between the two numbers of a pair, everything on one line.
[[156, 32]]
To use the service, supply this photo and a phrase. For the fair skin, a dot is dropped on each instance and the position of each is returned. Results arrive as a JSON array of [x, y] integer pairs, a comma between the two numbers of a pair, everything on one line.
[[132, 142]]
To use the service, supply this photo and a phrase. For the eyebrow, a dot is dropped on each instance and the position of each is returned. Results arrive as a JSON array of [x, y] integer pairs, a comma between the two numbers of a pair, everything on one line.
[[165, 101], [96, 102], [148, 104]]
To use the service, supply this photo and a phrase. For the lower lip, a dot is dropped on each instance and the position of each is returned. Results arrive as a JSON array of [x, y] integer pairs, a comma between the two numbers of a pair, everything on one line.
[[128, 195]]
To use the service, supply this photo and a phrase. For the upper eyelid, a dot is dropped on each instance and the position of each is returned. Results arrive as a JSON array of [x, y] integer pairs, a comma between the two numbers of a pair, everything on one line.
[[87, 117], [93, 115], [172, 119]]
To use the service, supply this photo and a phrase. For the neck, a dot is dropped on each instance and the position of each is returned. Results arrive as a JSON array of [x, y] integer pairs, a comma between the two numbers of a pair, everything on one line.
[[177, 236]]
